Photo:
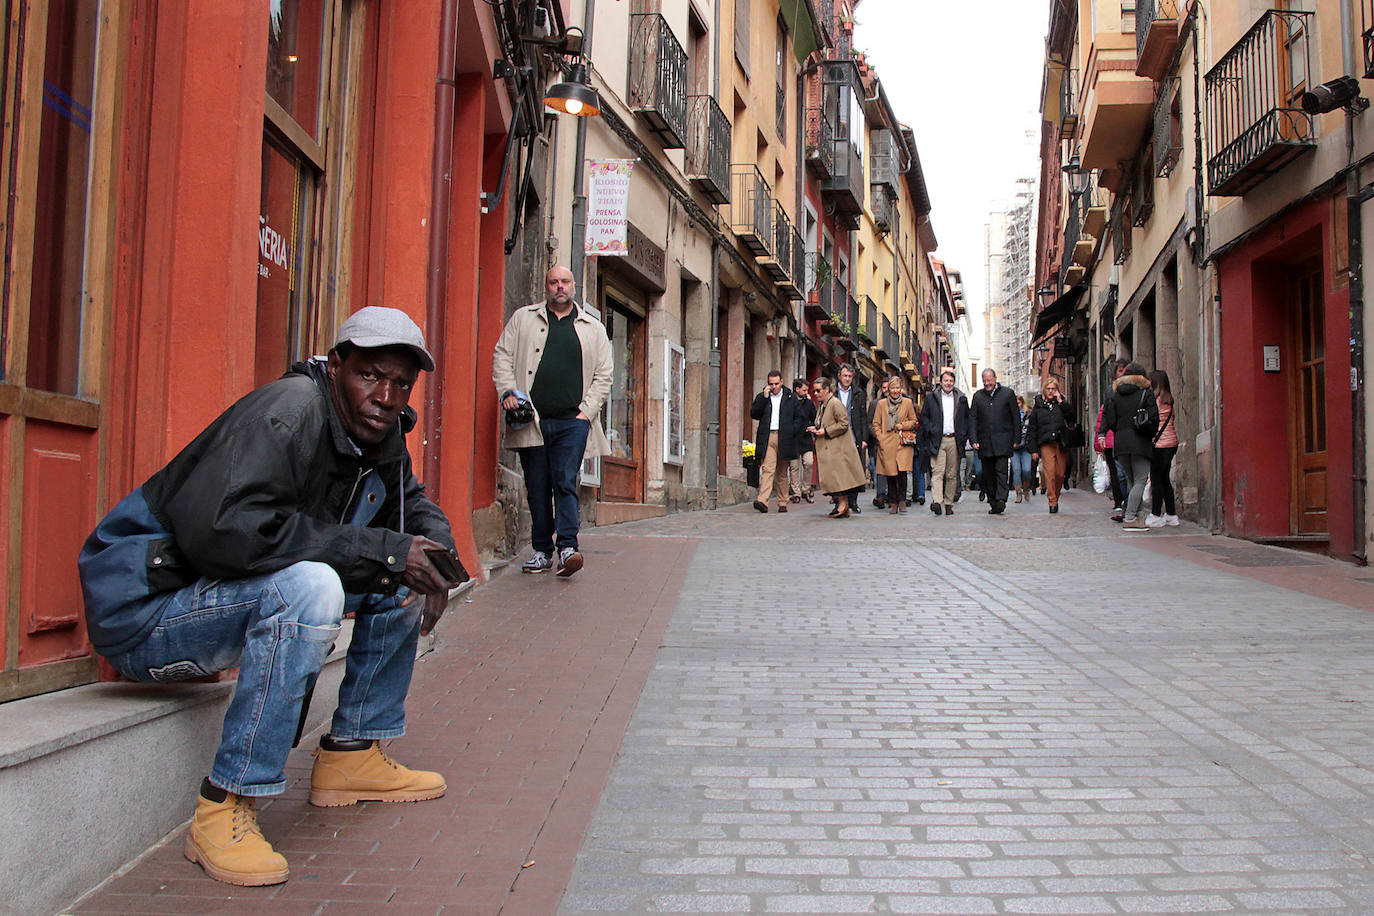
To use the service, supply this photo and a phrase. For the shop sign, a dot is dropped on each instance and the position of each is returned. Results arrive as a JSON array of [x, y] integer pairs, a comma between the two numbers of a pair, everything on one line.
[[608, 205], [1063, 348]]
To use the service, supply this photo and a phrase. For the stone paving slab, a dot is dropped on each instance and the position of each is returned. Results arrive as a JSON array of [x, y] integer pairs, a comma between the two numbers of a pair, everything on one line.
[[988, 715]]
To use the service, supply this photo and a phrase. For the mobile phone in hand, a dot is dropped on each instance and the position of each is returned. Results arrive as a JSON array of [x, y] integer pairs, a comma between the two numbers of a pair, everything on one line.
[[448, 565]]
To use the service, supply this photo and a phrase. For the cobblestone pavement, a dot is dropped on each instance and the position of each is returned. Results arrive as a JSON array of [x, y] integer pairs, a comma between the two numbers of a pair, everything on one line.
[[1020, 714]]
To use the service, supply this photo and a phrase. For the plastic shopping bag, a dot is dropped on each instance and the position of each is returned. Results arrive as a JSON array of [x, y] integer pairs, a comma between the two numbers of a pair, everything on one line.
[[1145, 495], [1102, 478]]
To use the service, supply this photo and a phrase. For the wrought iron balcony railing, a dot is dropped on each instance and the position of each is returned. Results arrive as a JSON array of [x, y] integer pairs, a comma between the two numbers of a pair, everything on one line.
[[868, 330], [1121, 227], [855, 312], [658, 78], [820, 143], [1068, 104], [819, 286], [1168, 128], [1253, 116], [708, 148], [1156, 36], [801, 279], [751, 208], [777, 263], [890, 345], [782, 113]]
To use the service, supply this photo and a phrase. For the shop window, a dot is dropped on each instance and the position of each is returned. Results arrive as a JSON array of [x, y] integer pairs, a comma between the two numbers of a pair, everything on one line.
[[57, 295], [313, 72]]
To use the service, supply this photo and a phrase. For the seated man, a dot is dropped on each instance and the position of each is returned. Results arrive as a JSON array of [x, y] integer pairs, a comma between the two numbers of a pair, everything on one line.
[[296, 505]]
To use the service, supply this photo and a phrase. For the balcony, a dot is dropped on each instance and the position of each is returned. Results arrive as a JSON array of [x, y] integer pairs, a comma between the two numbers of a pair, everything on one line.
[[882, 207], [1073, 230], [1168, 128], [888, 345], [777, 262], [1068, 103], [885, 166], [1252, 113], [868, 329], [1116, 105], [799, 279], [819, 292], [658, 78], [1121, 228], [844, 189], [708, 148], [820, 143], [1156, 37], [782, 114], [751, 208]]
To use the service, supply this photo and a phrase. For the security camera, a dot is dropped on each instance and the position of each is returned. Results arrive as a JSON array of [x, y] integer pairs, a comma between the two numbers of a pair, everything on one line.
[[1341, 92]]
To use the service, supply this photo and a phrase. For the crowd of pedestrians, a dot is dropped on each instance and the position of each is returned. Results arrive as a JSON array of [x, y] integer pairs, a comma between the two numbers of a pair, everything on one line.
[[827, 436]]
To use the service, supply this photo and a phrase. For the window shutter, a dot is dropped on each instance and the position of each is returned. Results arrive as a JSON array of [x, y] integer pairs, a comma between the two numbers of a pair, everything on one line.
[[742, 14]]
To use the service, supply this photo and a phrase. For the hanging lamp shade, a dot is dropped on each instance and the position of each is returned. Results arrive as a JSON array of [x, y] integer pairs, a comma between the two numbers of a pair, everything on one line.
[[574, 96]]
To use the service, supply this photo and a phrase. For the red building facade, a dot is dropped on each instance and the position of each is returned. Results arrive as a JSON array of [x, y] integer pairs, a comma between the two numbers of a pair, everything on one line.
[[199, 194]]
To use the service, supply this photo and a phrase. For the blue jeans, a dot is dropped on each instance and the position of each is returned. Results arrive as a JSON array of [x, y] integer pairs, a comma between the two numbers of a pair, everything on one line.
[[919, 472], [551, 481], [1021, 467], [278, 628]]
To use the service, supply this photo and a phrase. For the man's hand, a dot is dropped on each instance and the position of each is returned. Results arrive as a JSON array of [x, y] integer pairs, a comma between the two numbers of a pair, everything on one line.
[[583, 416], [420, 575], [510, 402], [975, 446]]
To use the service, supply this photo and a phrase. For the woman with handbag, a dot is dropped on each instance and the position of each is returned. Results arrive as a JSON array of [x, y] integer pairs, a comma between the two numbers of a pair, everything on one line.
[[839, 469], [1133, 416], [1163, 510], [1047, 430], [894, 432]]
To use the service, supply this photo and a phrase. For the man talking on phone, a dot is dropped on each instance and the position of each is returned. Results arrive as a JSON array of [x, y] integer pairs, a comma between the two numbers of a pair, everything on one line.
[[296, 505]]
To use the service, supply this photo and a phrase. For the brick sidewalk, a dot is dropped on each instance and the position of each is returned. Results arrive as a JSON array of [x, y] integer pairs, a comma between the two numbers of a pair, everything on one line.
[[522, 706]]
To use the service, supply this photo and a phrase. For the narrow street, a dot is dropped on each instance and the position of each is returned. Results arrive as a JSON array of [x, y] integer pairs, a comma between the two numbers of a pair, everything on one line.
[[727, 712]]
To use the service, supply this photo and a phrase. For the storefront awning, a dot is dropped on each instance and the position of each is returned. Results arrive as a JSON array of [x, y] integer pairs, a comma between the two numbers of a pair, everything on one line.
[[1058, 310]]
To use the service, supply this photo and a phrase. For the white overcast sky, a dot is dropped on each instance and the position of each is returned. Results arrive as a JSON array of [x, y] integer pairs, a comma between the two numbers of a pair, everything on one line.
[[965, 76]]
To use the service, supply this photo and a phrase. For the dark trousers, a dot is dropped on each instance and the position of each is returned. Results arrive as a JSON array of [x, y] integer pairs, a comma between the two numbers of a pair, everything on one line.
[[896, 485], [1161, 490], [551, 481], [994, 481]]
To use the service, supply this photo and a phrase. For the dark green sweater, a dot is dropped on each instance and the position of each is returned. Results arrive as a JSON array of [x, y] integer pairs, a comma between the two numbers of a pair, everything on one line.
[[557, 388]]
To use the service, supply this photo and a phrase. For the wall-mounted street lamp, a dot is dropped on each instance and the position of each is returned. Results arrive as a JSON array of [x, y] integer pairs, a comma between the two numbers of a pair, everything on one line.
[[575, 95], [1075, 175]]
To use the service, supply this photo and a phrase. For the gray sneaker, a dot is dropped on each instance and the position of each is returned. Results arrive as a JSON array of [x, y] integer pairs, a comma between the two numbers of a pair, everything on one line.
[[540, 562], [569, 561]]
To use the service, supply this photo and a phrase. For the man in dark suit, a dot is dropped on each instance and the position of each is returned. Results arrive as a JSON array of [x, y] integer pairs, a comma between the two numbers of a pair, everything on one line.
[[944, 430], [995, 430], [775, 443], [856, 404]]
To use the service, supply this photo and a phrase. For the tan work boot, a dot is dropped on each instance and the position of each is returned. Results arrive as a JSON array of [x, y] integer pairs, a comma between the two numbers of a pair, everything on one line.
[[226, 842], [368, 774]]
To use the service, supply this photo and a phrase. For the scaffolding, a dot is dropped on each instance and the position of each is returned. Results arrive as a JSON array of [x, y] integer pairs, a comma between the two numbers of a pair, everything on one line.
[[1010, 318]]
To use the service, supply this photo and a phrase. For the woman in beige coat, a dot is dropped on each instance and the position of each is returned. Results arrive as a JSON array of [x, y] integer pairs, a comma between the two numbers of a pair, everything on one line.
[[892, 416], [837, 457]]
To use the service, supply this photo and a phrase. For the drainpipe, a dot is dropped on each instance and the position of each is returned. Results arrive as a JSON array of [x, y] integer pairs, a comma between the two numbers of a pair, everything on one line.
[[578, 255], [1355, 262], [713, 380], [440, 194]]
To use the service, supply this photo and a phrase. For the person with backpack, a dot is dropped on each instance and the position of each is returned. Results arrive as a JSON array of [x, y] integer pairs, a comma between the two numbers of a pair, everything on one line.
[[1132, 414]]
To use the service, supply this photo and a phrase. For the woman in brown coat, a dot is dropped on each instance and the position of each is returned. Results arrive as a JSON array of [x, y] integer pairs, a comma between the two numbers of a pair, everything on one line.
[[892, 416], [837, 457]]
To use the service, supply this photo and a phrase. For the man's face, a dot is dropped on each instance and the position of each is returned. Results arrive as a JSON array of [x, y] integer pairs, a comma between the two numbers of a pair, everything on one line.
[[774, 384], [370, 388], [947, 382], [989, 379], [846, 376], [802, 391], [558, 288], [817, 391]]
